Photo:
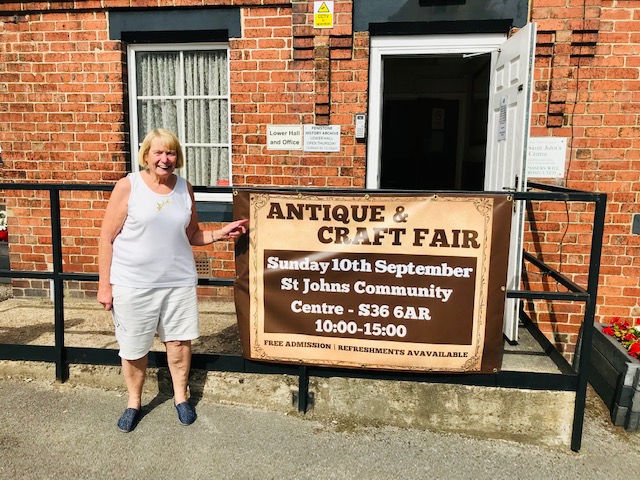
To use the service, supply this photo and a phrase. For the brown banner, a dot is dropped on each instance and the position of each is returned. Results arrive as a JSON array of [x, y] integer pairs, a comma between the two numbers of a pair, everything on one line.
[[393, 282]]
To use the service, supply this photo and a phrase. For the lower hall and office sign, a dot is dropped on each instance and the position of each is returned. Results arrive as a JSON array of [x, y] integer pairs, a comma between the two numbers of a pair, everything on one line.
[[376, 281]]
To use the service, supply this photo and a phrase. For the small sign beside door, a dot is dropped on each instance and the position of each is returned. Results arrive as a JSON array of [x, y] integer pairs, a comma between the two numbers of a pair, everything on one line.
[[546, 157], [322, 138], [316, 138], [284, 137]]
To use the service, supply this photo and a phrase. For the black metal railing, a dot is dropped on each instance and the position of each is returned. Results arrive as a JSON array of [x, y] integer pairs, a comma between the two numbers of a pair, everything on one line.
[[570, 378]]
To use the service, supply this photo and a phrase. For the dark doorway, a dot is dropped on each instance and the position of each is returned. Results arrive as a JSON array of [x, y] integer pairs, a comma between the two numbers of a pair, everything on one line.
[[419, 141], [434, 121]]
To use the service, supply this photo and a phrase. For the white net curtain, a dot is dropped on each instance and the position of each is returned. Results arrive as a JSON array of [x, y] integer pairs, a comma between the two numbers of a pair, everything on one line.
[[187, 93]]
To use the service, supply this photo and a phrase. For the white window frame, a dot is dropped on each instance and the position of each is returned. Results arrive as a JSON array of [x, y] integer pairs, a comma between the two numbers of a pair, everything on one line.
[[132, 49]]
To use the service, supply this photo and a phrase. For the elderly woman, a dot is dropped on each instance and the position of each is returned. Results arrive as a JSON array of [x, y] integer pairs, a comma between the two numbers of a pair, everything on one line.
[[147, 272]]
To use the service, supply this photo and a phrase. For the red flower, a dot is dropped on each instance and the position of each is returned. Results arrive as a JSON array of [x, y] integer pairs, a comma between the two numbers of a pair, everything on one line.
[[4, 235], [629, 337], [620, 323]]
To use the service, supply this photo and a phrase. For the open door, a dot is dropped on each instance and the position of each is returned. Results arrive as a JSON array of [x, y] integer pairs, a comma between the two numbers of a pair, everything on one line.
[[507, 134], [458, 101]]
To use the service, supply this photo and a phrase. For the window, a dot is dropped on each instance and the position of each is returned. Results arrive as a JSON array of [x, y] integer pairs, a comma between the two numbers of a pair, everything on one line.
[[185, 89]]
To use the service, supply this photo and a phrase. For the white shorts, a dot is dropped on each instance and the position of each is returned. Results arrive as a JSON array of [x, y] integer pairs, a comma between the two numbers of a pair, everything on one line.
[[140, 313]]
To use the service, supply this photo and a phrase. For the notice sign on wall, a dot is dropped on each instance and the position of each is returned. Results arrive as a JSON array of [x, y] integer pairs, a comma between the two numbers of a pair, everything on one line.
[[373, 281], [322, 138], [284, 137], [546, 157], [323, 14]]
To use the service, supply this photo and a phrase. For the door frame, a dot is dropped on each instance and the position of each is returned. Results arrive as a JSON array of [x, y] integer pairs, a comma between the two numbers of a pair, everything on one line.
[[382, 46]]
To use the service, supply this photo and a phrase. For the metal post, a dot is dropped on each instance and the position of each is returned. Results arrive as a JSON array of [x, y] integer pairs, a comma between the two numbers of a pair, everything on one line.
[[587, 326], [62, 369], [303, 389]]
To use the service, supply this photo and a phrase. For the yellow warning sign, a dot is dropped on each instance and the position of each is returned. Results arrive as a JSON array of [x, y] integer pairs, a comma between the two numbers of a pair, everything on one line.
[[323, 14]]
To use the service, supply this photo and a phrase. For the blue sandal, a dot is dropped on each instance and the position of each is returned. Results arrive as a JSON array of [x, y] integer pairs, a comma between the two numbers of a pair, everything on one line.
[[129, 420], [186, 415]]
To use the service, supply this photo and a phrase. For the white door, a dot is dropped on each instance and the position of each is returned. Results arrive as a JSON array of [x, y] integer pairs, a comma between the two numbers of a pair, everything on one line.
[[507, 134]]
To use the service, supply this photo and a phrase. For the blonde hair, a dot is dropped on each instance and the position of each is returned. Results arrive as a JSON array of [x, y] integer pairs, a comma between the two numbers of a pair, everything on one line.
[[169, 140]]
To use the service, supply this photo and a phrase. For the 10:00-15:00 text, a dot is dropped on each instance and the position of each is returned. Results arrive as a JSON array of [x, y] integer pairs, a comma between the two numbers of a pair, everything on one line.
[[372, 329]]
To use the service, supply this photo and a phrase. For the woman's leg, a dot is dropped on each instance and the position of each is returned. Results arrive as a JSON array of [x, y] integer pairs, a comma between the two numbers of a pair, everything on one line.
[[179, 359], [134, 372]]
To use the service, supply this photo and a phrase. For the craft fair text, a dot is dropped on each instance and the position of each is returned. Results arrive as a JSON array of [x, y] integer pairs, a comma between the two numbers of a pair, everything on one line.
[[354, 235]]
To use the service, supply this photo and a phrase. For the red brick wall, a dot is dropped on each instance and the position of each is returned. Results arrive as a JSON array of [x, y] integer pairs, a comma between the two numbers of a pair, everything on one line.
[[62, 99], [587, 89]]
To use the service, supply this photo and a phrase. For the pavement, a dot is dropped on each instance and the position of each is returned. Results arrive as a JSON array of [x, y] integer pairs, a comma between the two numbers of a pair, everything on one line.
[[53, 430]]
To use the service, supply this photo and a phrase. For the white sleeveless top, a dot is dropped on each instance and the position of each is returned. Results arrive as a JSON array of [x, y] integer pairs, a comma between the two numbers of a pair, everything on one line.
[[153, 250]]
